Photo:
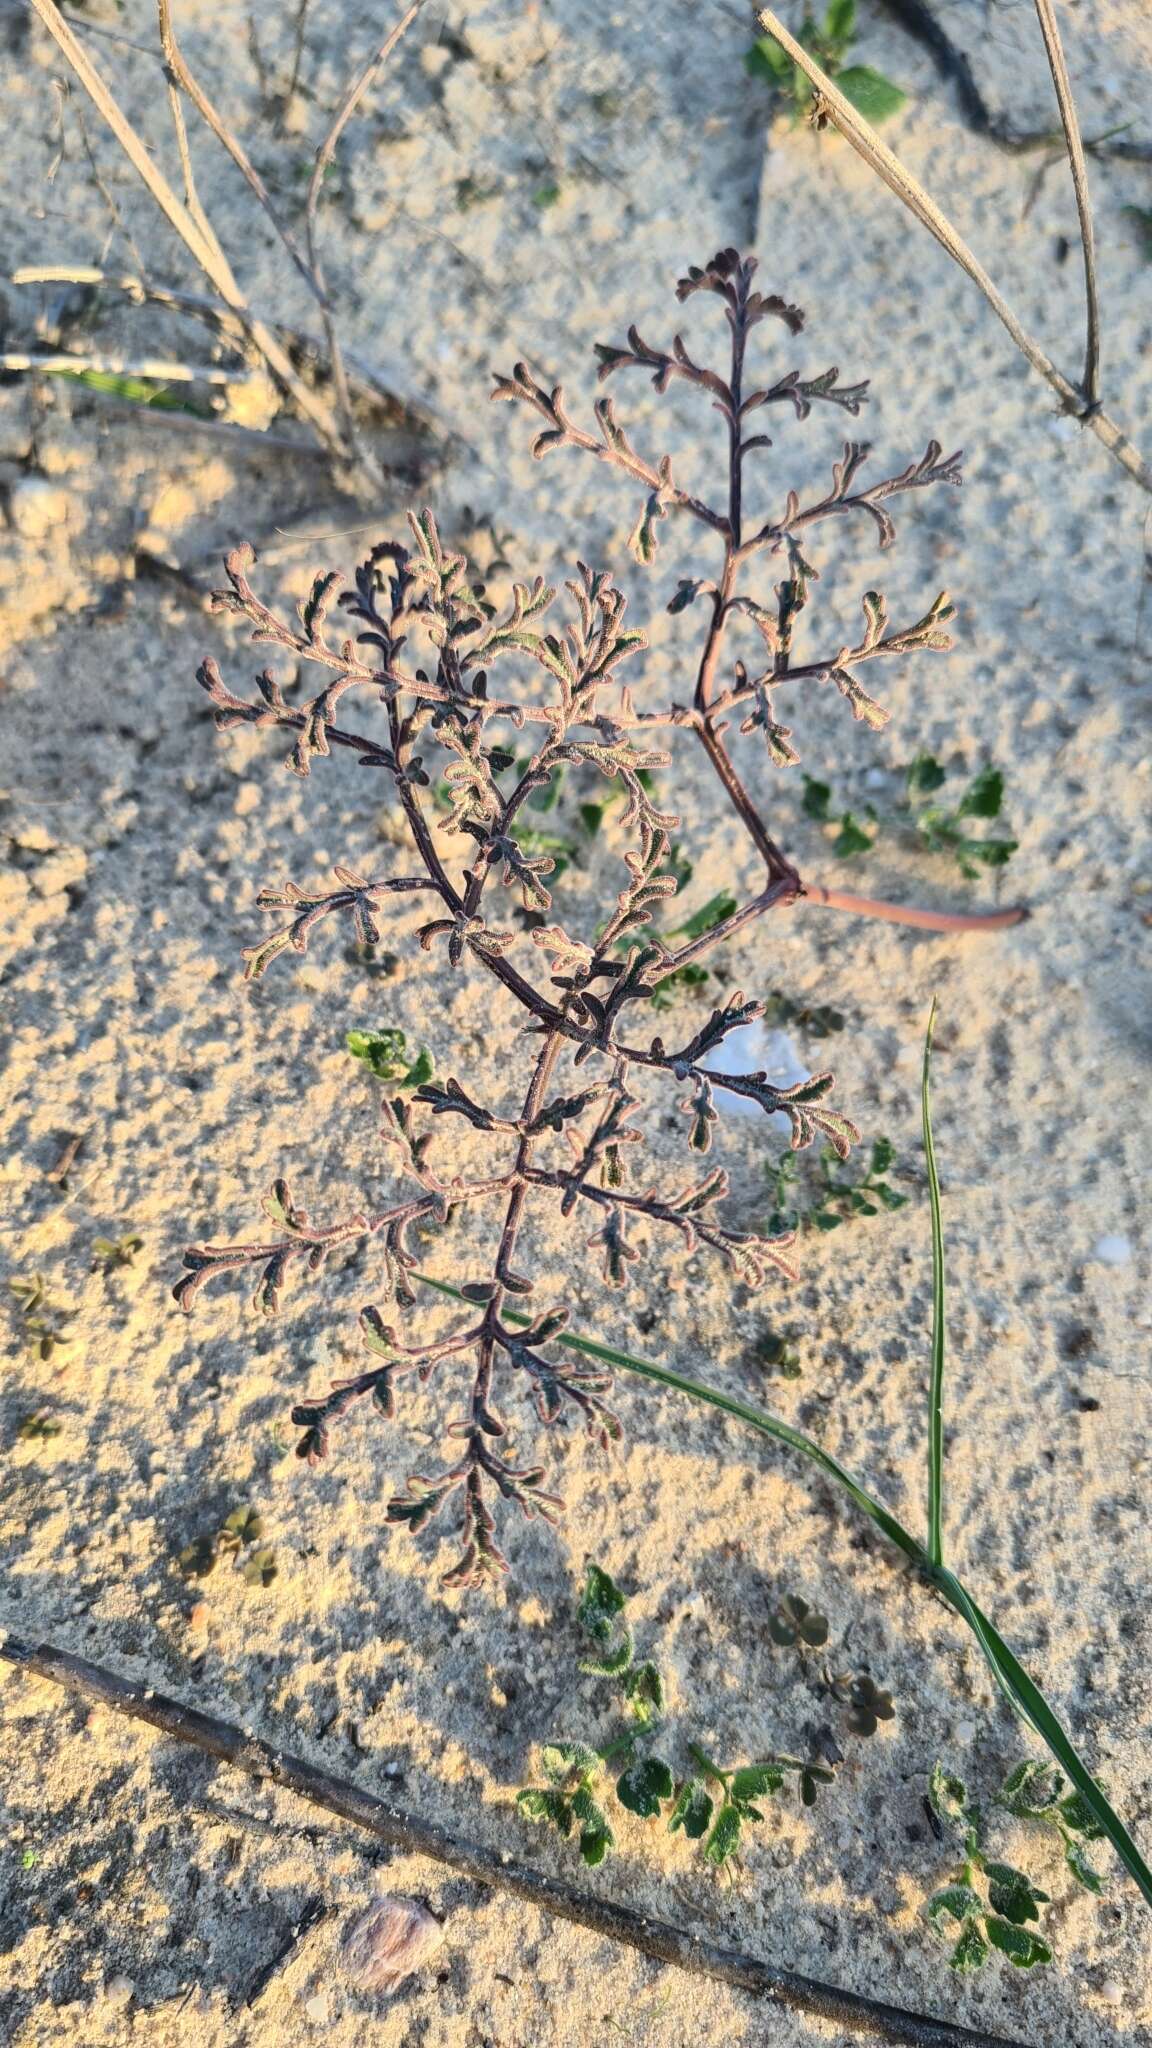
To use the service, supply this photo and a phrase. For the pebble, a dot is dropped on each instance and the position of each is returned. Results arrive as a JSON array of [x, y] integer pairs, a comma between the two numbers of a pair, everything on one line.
[[387, 1941], [1115, 1250], [119, 1990]]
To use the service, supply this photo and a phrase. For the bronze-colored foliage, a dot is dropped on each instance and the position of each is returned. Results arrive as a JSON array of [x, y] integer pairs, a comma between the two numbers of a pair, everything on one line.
[[571, 1137]]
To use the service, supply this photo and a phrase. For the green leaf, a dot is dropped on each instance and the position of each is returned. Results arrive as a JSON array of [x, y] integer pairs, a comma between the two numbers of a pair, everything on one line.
[[949, 1796], [957, 1901], [870, 93], [1032, 1790], [1080, 1867], [1019, 1944], [596, 1837], [600, 1603], [643, 1785], [971, 1951], [817, 797], [385, 1054], [644, 1688], [794, 1622], [851, 839], [983, 796], [768, 61], [811, 1778], [754, 1781], [536, 1803], [692, 1811], [559, 1759], [840, 22], [924, 774], [724, 1839], [1013, 1894], [1076, 1814], [261, 1569]]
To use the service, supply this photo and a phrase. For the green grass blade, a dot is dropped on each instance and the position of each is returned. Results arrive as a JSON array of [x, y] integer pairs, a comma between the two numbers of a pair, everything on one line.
[[756, 1418], [1027, 1697], [1021, 1690], [936, 1385]]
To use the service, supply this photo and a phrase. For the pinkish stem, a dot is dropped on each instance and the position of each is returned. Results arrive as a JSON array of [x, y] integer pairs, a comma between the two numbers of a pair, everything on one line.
[[903, 913]]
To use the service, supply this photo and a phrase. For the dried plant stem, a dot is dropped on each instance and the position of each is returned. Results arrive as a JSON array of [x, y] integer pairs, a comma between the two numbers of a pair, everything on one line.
[[324, 156], [204, 248], [921, 24], [410, 1833], [182, 77], [911, 193], [1046, 14]]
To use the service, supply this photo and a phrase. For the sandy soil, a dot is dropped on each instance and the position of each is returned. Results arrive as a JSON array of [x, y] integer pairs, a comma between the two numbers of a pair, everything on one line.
[[142, 1890]]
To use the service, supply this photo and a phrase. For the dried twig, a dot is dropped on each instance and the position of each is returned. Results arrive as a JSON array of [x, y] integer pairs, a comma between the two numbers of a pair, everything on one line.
[[921, 24], [205, 249], [1046, 15], [876, 154], [490, 1867], [348, 105], [183, 77]]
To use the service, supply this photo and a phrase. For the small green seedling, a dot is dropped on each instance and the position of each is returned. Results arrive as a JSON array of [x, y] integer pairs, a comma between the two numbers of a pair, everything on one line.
[[42, 1317], [816, 1020], [776, 1354], [837, 1198], [936, 827], [109, 1254], [571, 1798], [866, 1702], [738, 1791], [828, 42], [38, 1427], [998, 1917], [242, 1528], [796, 1626], [1035, 1791], [385, 1054]]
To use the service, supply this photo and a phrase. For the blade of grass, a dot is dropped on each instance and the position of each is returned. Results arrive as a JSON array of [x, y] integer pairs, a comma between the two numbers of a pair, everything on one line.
[[936, 1383], [756, 1418], [1021, 1691]]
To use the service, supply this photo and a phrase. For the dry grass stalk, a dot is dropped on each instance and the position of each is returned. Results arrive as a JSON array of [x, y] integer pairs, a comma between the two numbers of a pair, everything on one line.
[[833, 106]]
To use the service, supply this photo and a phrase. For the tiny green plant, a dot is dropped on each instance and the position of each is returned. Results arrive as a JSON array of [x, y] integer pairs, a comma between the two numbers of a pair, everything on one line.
[[828, 42], [794, 1625], [938, 827], [385, 1054], [111, 1254], [776, 1353], [709, 1804], [837, 1196], [42, 1317], [989, 1902], [38, 1427], [236, 1538], [867, 1703]]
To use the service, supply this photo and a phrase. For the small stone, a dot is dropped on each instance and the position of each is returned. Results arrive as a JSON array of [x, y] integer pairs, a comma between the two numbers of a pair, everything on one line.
[[388, 1941], [1114, 1250], [119, 1990], [318, 2008]]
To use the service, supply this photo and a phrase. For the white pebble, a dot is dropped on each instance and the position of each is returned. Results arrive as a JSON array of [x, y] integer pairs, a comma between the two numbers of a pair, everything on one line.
[[1115, 1250]]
